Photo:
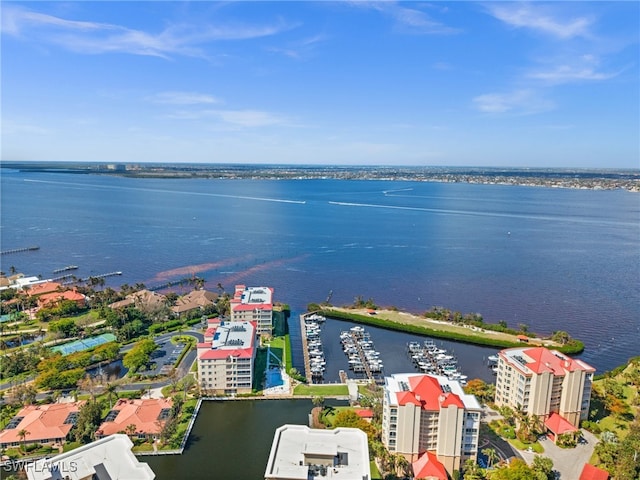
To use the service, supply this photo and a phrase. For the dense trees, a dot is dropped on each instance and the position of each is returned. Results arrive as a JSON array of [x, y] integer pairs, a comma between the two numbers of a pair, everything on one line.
[[485, 392], [139, 355], [89, 419]]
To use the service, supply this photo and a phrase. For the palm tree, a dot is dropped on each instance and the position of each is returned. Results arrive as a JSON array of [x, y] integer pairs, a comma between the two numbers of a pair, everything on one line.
[[402, 465], [22, 434], [131, 429], [491, 455], [111, 390]]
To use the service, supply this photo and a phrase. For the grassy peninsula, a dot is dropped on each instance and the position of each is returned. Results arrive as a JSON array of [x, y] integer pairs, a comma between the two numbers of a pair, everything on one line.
[[472, 330]]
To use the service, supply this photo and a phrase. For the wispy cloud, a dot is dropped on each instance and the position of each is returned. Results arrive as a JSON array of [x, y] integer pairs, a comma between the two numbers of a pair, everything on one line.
[[518, 102], [97, 38], [235, 118], [10, 127], [408, 20], [540, 18], [250, 118], [183, 98], [582, 69], [301, 49]]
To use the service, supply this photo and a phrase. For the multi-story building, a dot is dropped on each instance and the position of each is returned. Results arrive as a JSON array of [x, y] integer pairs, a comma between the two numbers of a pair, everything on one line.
[[253, 304], [225, 358], [430, 413], [300, 453], [542, 382]]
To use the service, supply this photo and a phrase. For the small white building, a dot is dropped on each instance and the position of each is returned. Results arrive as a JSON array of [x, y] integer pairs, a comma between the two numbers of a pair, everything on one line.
[[110, 457], [300, 453]]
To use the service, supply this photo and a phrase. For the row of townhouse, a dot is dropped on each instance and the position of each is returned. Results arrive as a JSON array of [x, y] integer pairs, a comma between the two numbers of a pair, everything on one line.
[[51, 424]]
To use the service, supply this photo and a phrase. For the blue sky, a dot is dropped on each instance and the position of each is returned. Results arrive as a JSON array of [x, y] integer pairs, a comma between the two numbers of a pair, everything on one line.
[[532, 84]]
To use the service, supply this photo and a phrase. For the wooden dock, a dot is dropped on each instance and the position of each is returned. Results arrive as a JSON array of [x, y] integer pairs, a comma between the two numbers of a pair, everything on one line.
[[363, 358], [18, 250], [305, 350]]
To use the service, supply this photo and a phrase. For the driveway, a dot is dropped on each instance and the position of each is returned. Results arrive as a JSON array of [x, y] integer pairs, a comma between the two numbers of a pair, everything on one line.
[[568, 462]]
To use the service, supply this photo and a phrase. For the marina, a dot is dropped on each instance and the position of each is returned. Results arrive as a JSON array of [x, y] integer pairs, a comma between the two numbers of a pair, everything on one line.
[[429, 358], [362, 357], [315, 362]]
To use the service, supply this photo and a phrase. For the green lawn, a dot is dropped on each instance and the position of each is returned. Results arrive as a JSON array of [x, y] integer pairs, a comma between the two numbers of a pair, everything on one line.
[[536, 447], [328, 415], [321, 390], [375, 473]]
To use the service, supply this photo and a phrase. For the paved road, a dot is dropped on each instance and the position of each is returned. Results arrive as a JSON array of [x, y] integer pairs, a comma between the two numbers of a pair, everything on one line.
[[568, 462]]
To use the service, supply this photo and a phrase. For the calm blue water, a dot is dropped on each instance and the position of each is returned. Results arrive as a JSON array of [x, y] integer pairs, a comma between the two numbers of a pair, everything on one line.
[[551, 258]]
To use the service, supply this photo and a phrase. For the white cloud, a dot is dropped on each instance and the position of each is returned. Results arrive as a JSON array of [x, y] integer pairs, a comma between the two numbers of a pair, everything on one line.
[[539, 18], [10, 127], [249, 118], [301, 49], [183, 98], [408, 20], [97, 38], [584, 68], [519, 102], [567, 74]]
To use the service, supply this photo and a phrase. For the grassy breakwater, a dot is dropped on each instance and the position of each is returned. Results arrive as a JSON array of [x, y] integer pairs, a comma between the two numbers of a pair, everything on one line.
[[404, 322]]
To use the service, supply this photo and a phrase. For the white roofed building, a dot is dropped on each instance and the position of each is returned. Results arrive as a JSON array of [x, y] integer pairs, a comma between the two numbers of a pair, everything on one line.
[[109, 458], [253, 304], [226, 357], [300, 453]]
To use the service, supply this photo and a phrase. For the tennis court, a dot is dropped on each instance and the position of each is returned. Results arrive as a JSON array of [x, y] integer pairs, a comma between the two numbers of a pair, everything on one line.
[[84, 344]]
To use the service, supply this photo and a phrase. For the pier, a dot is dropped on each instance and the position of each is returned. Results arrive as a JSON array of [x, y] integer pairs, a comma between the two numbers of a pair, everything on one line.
[[362, 357], [305, 348], [104, 275], [18, 250], [66, 269], [428, 358]]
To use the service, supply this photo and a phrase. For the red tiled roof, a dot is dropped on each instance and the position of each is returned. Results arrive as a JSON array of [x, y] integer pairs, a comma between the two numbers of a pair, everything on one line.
[[364, 413], [225, 353], [40, 288], [558, 424], [141, 413], [243, 307], [589, 472], [43, 422], [425, 392], [428, 467], [55, 297], [546, 361]]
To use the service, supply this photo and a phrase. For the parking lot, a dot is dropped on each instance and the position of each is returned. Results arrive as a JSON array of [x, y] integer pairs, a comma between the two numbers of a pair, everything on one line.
[[164, 358]]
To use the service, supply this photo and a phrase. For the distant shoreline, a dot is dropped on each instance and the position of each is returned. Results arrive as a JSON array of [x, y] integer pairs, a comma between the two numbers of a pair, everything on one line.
[[586, 179]]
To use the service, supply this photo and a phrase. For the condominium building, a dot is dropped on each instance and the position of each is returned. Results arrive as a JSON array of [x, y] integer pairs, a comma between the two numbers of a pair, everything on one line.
[[225, 358], [253, 304], [301, 453], [108, 458], [542, 382], [430, 413]]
